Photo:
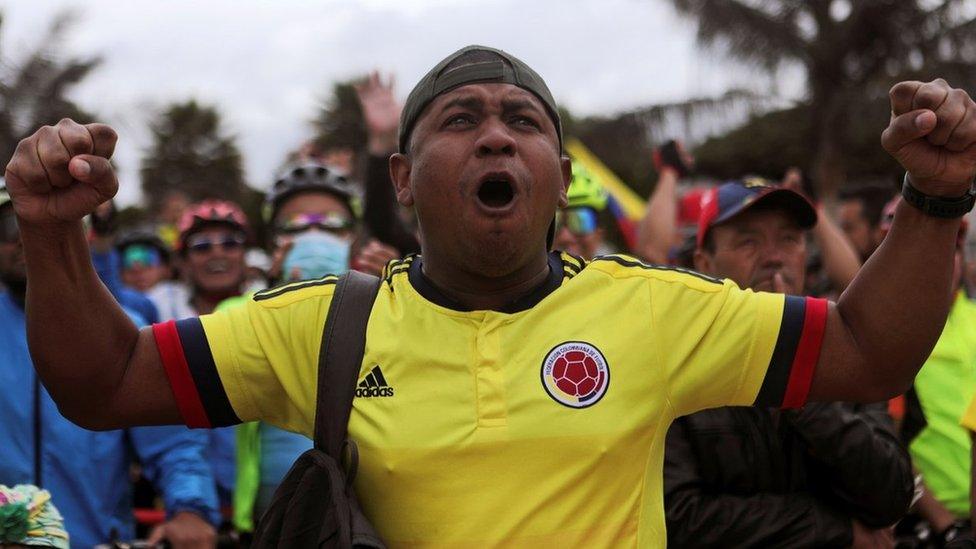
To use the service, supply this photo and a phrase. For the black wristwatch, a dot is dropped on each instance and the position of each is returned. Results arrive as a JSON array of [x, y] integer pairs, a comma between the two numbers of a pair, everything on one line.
[[936, 206]]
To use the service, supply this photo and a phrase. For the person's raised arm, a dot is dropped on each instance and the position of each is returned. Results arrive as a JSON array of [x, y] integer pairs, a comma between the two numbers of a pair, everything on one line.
[[381, 213], [839, 257], [100, 369], [658, 227], [840, 260], [885, 324]]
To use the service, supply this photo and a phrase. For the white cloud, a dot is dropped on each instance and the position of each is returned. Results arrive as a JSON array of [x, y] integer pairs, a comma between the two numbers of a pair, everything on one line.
[[266, 64]]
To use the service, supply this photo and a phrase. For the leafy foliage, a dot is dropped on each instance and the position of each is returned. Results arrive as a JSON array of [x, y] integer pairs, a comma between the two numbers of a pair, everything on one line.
[[851, 53], [339, 122], [34, 86], [624, 142], [190, 153]]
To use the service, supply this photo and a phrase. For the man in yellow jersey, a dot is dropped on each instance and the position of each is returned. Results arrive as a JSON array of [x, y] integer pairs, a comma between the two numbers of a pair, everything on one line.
[[511, 396]]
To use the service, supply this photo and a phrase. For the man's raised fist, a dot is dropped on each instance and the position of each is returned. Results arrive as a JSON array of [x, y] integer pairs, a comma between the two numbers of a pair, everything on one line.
[[62, 173], [932, 134]]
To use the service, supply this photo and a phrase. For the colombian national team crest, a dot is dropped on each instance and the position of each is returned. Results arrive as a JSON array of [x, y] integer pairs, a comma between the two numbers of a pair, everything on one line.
[[575, 374]]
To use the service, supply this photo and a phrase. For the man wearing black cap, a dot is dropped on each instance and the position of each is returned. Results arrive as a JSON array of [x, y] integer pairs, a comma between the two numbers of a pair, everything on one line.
[[517, 397], [828, 475]]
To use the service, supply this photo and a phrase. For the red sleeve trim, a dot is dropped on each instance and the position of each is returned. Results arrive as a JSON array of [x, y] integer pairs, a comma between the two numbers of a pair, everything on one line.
[[807, 353], [178, 372]]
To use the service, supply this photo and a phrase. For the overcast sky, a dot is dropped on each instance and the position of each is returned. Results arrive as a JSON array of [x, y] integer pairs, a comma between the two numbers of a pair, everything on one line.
[[267, 64]]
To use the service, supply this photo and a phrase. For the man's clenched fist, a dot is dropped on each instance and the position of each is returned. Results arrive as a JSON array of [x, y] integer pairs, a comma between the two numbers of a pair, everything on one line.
[[932, 134], [62, 173]]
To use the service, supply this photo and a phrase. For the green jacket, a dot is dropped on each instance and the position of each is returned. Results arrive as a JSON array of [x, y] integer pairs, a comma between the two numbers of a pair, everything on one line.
[[248, 456], [945, 385]]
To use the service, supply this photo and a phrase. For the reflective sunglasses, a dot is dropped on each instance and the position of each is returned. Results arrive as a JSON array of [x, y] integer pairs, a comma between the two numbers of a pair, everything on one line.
[[140, 255], [202, 243], [9, 231], [331, 223], [579, 221]]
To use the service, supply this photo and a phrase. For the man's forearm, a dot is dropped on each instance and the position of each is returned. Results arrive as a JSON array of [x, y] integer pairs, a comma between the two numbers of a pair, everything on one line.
[[894, 310], [840, 260], [656, 230], [174, 459], [80, 338]]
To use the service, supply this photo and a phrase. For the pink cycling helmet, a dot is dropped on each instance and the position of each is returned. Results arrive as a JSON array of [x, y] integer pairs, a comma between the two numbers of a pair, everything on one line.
[[210, 212]]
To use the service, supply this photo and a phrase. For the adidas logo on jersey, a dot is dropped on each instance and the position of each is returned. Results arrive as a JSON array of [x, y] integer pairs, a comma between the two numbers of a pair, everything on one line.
[[374, 385]]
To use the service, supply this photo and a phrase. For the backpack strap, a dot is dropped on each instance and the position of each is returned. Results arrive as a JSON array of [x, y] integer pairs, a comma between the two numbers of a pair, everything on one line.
[[340, 357]]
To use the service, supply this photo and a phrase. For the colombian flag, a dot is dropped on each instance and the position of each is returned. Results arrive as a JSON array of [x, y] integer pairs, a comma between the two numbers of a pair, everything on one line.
[[626, 206]]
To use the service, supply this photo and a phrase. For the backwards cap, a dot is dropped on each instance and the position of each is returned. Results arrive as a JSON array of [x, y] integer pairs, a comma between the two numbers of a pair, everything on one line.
[[453, 72]]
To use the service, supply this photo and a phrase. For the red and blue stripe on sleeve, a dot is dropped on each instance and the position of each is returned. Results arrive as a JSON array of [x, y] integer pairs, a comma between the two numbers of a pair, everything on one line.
[[192, 374], [790, 373]]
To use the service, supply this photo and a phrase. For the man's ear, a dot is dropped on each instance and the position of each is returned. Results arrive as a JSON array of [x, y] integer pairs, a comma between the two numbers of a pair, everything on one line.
[[703, 261], [400, 175], [566, 166]]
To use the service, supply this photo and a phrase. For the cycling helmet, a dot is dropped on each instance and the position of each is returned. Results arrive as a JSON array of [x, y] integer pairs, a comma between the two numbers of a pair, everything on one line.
[[209, 212], [585, 191], [308, 177], [145, 236]]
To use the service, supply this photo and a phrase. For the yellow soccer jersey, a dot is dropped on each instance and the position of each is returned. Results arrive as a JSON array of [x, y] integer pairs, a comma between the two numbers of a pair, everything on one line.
[[539, 425]]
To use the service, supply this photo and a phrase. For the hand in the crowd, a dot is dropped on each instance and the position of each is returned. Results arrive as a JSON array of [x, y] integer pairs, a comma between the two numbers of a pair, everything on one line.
[[373, 257], [104, 219], [185, 531], [381, 112], [282, 246], [793, 180], [779, 284], [870, 538], [673, 155], [62, 173], [932, 134]]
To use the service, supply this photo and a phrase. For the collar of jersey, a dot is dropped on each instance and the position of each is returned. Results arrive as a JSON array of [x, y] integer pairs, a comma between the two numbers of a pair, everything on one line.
[[428, 291]]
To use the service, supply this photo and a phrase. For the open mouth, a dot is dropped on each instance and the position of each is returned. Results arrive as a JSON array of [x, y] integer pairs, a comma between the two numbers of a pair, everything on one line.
[[496, 191]]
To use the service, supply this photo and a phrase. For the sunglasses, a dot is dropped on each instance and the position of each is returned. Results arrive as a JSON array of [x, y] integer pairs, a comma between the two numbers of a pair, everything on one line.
[[579, 221], [330, 223], [204, 243], [9, 231], [138, 255]]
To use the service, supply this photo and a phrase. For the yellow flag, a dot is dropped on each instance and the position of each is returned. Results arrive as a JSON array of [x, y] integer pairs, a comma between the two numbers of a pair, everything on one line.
[[631, 202]]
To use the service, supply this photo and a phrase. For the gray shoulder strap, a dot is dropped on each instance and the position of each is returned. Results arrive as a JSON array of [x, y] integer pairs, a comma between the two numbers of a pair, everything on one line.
[[340, 356]]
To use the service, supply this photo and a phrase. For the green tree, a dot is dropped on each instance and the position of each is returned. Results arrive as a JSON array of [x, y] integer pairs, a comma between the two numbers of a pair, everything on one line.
[[33, 86], [191, 153], [625, 141], [339, 122], [851, 53]]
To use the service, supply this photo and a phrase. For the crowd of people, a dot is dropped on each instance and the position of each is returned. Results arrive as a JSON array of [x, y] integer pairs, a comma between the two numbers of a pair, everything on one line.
[[720, 319]]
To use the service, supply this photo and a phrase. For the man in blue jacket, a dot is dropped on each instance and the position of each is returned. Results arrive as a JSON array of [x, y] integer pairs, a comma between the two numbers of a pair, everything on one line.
[[87, 472]]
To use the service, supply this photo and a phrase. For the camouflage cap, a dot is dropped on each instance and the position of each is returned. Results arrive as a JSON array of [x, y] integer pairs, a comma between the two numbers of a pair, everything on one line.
[[505, 69]]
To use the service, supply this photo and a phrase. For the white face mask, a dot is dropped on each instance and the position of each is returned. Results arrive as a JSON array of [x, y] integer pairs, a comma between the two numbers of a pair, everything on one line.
[[315, 254]]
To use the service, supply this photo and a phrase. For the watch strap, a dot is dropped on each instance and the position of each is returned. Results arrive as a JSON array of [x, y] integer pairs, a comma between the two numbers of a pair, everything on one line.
[[937, 206]]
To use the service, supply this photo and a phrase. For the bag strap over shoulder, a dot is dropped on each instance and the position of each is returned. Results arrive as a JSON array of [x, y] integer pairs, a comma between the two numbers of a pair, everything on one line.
[[340, 357]]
